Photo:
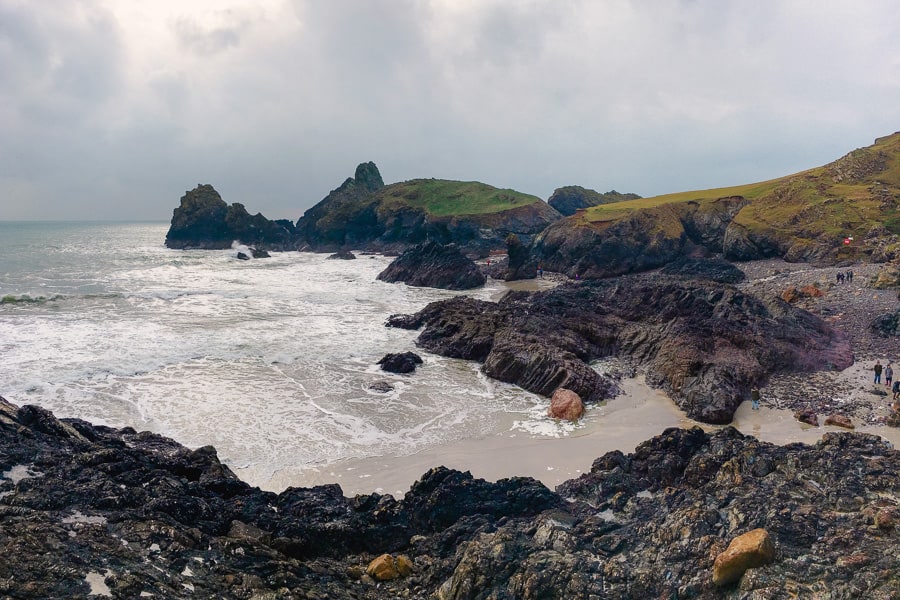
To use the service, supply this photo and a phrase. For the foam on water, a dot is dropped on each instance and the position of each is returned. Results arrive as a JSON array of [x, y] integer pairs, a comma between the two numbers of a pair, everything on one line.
[[269, 360]]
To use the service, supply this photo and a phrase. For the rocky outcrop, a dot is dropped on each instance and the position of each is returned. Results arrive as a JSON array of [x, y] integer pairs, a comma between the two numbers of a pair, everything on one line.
[[204, 220], [704, 343], [343, 255], [87, 509], [346, 217], [403, 362], [571, 198], [712, 269], [434, 265]]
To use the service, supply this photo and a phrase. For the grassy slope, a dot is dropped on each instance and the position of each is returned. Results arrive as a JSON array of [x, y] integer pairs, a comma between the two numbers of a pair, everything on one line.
[[830, 201], [443, 198]]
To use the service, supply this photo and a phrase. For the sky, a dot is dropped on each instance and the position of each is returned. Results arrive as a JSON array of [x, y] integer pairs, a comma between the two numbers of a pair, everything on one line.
[[113, 109]]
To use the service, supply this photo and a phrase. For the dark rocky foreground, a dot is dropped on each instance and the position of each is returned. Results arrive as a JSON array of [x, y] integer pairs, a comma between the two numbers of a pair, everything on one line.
[[705, 342], [93, 510]]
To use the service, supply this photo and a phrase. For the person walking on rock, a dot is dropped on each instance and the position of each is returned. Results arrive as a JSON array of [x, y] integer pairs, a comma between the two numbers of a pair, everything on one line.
[[754, 399], [877, 370], [888, 374]]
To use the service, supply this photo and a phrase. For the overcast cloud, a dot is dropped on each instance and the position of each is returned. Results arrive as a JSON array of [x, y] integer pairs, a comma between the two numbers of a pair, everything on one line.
[[112, 109]]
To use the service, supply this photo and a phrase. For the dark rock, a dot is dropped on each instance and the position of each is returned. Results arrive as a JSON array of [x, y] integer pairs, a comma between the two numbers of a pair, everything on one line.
[[382, 387], [404, 362], [706, 344], [807, 416], [569, 199], [204, 220], [242, 256], [886, 325], [434, 265], [257, 253], [522, 265], [713, 269], [150, 517], [343, 255]]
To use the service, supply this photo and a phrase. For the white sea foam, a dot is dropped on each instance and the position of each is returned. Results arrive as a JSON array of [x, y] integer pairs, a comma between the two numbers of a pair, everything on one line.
[[269, 360]]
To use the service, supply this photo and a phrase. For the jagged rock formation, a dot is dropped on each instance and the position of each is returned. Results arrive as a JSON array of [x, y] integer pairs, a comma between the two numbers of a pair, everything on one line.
[[569, 199], [204, 220], [87, 510], [704, 343], [346, 216], [364, 213], [434, 265]]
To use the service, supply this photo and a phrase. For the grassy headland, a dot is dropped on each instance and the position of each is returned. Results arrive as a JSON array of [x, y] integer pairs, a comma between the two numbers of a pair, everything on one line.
[[844, 198], [445, 198]]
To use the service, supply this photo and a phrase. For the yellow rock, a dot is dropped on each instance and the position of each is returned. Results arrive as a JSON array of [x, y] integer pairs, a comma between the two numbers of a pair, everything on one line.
[[386, 567], [753, 549], [383, 568]]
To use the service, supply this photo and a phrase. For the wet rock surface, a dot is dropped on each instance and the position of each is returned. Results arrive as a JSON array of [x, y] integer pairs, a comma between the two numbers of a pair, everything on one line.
[[434, 265], [402, 362], [86, 510], [705, 343]]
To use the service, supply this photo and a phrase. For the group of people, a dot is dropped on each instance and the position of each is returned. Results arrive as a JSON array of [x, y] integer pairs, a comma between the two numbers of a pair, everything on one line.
[[845, 276], [888, 371]]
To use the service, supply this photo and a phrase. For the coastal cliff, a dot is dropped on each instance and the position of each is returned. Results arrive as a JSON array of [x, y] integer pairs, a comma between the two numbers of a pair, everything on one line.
[[364, 213], [843, 212], [92, 510]]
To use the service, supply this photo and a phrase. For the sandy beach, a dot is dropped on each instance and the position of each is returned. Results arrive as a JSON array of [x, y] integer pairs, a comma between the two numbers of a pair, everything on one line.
[[619, 424]]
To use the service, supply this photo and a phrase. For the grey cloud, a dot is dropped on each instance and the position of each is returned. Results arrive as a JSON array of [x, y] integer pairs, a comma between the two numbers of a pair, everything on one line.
[[205, 41]]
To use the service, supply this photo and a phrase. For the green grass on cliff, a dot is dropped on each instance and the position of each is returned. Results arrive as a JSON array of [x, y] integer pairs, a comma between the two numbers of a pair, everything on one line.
[[444, 198], [846, 197]]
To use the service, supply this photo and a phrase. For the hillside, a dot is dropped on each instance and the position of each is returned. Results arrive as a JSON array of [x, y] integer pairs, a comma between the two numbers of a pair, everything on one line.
[[806, 216], [365, 213]]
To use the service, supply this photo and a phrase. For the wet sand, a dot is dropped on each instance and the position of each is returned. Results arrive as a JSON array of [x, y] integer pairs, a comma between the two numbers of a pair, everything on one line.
[[620, 424]]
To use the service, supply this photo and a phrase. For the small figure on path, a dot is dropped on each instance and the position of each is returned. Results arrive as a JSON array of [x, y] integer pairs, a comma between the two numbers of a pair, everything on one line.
[[888, 374], [896, 390], [849, 276], [540, 271], [877, 370], [840, 277], [754, 399]]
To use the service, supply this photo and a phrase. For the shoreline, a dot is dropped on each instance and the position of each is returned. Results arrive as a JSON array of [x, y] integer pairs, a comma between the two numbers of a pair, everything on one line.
[[623, 423]]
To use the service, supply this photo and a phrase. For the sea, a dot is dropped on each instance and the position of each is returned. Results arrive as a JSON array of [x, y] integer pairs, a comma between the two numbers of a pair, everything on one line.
[[269, 360]]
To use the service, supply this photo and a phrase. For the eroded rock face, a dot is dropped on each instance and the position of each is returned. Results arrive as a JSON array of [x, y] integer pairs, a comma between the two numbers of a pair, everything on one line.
[[434, 265], [704, 343], [204, 220], [81, 503]]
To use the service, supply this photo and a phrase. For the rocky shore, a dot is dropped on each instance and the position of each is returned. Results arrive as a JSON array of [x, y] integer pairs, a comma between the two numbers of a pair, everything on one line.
[[94, 511]]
